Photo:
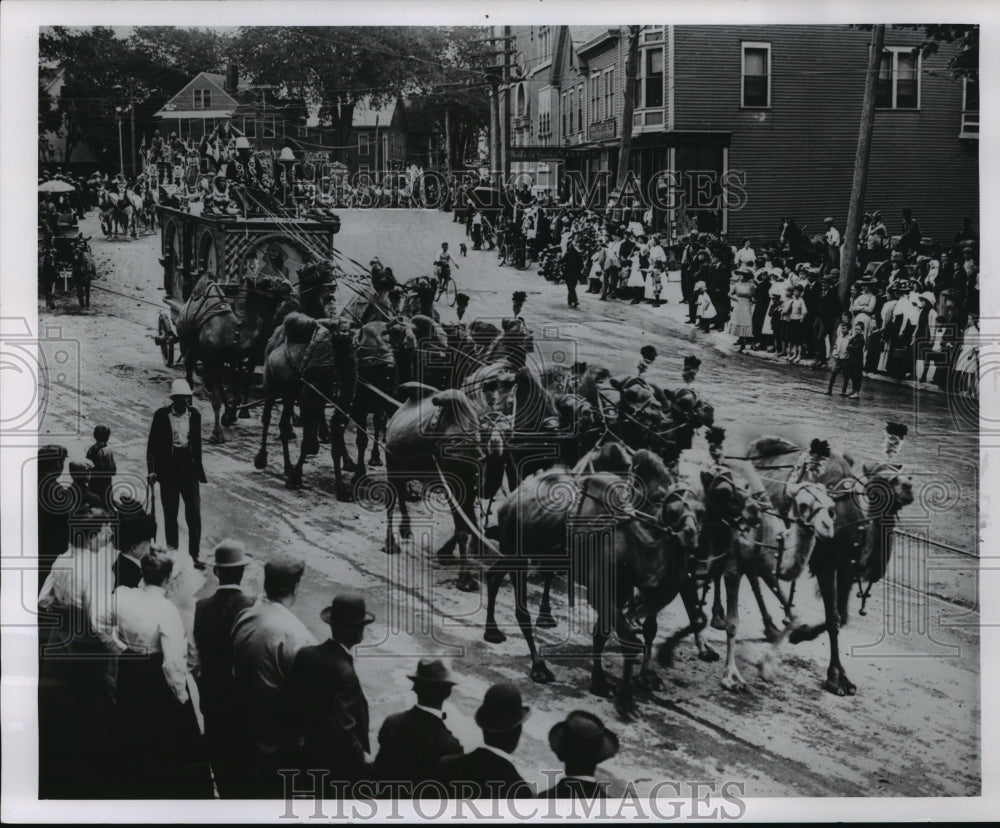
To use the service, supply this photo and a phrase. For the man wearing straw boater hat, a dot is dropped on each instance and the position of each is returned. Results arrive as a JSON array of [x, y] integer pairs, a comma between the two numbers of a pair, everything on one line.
[[411, 743], [488, 772], [325, 702], [581, 742], [229, 744]]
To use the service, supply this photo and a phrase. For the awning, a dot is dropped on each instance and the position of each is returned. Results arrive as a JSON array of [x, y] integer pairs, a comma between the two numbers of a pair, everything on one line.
[[677, 138]]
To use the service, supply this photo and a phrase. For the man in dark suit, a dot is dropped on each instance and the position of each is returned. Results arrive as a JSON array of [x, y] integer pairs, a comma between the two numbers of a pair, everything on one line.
[[582, 742], [411, 743], [173, 458], [230, 748], [326, 706], [488, 772]]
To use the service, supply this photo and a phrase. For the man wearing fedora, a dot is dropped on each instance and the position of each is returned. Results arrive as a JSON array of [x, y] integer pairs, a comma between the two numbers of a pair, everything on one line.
[[327, 707], [229, 745], [173, 459], [411, 743], [488, 772], [581, 742]]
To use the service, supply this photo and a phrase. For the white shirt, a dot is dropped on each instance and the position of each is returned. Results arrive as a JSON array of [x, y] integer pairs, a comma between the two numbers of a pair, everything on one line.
[[746, 256], [833, 237], [82, 580], [180, 425], [147, 622]]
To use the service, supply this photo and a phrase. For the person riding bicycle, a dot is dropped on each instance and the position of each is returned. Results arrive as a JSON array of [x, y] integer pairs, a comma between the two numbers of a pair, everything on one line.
[[444, 262]]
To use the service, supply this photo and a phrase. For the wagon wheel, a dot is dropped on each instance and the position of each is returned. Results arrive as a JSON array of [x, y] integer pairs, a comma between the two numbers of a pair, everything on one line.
[[165, 339]]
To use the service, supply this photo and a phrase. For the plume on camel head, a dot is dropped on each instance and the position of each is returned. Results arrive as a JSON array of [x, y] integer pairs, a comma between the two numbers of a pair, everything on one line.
[[518, 299], [715, 437], [819, 453], [895, 433]]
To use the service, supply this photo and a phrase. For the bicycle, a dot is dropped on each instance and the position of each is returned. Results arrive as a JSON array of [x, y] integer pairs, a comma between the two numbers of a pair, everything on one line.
[[445, 284]]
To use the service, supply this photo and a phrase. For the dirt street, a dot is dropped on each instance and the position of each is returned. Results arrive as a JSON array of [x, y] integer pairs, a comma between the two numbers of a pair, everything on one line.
[[912, 730]]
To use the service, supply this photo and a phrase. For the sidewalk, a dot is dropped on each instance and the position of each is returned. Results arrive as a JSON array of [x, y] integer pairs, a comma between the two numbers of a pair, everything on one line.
[[677, 311]]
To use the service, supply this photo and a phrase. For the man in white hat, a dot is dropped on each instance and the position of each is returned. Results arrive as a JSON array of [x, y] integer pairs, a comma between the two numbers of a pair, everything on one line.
[[173, 459]]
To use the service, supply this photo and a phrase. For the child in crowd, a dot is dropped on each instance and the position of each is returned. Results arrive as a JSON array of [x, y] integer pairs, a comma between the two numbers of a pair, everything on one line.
[[856, 359], [703, 307], [838, 358], [103, 460]]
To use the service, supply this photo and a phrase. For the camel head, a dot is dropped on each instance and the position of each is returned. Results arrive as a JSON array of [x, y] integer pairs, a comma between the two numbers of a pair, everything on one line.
[[400, 335], [637, 399], [681, 514], [727, 499], [812, 508], [887, 489]]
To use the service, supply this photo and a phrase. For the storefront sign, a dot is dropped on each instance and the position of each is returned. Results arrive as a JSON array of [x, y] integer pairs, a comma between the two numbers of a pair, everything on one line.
[[601, 131], [536, 153]]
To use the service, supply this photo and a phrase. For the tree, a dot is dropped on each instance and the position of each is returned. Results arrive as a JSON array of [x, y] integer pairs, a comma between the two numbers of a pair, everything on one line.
[[103, 71]]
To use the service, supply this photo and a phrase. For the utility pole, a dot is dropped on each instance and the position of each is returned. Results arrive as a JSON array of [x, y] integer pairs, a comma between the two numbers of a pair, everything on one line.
[[849, 251], [505, 147], [447, 142], [131, 109], [628, 107]]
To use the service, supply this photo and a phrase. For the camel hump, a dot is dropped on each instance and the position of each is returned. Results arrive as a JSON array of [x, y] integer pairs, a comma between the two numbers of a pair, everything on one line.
[[417, 391], [299, 328]]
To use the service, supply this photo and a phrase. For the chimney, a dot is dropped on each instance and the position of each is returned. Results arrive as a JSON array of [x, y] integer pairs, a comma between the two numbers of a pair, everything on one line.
[[232, 78]]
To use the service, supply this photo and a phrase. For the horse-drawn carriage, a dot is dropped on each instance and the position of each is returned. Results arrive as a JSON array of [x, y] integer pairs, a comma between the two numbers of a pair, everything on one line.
[[231, 249]]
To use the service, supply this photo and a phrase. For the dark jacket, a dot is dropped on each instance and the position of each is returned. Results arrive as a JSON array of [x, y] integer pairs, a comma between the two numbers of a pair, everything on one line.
[[856, 350], [126, 571], [573, 265], [159, 447], [410, 744], [327, 707], [571, 788], [481, 774], [213, 636]]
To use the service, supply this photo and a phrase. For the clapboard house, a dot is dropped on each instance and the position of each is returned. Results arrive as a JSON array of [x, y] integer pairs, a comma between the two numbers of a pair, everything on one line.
[[753, 122], [206, 101]]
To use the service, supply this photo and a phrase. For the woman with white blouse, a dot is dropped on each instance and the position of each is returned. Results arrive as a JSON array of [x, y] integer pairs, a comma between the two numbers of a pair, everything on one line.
[[157, 733]]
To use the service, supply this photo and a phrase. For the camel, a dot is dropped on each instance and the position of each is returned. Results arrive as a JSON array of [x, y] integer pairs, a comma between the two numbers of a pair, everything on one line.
[[386, 351], [436, 436], [646, 528], [313, 363], [865, 510], [777, 548]]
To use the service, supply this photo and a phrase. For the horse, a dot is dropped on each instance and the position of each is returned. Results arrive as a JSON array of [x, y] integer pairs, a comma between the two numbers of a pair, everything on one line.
[[437, 436], [257, 323], [794, 242], [148, 211], [385, 353], [865, 510], [653, 533], [777, 548], [313, 363]]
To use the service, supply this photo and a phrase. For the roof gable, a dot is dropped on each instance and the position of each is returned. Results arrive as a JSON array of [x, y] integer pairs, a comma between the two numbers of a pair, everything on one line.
[[367, 116], [183, 100]]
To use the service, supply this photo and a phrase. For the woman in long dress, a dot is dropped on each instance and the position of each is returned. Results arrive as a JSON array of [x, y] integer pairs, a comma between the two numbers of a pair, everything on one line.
[[636, 278], [741, 321]]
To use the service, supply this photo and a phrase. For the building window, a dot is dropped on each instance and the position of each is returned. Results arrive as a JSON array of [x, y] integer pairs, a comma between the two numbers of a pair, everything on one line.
[[649, 84], [609, 93], [542, 43], [565, 109], [756, 74], [363, 144], [899, 79], [202, 98], [595, 98], [521, 100], [249, 127], [579, 107], [652, 34], [268, 128]]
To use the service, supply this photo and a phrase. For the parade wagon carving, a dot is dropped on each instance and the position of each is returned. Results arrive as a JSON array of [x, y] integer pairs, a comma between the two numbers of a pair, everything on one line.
[[231, 249]]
